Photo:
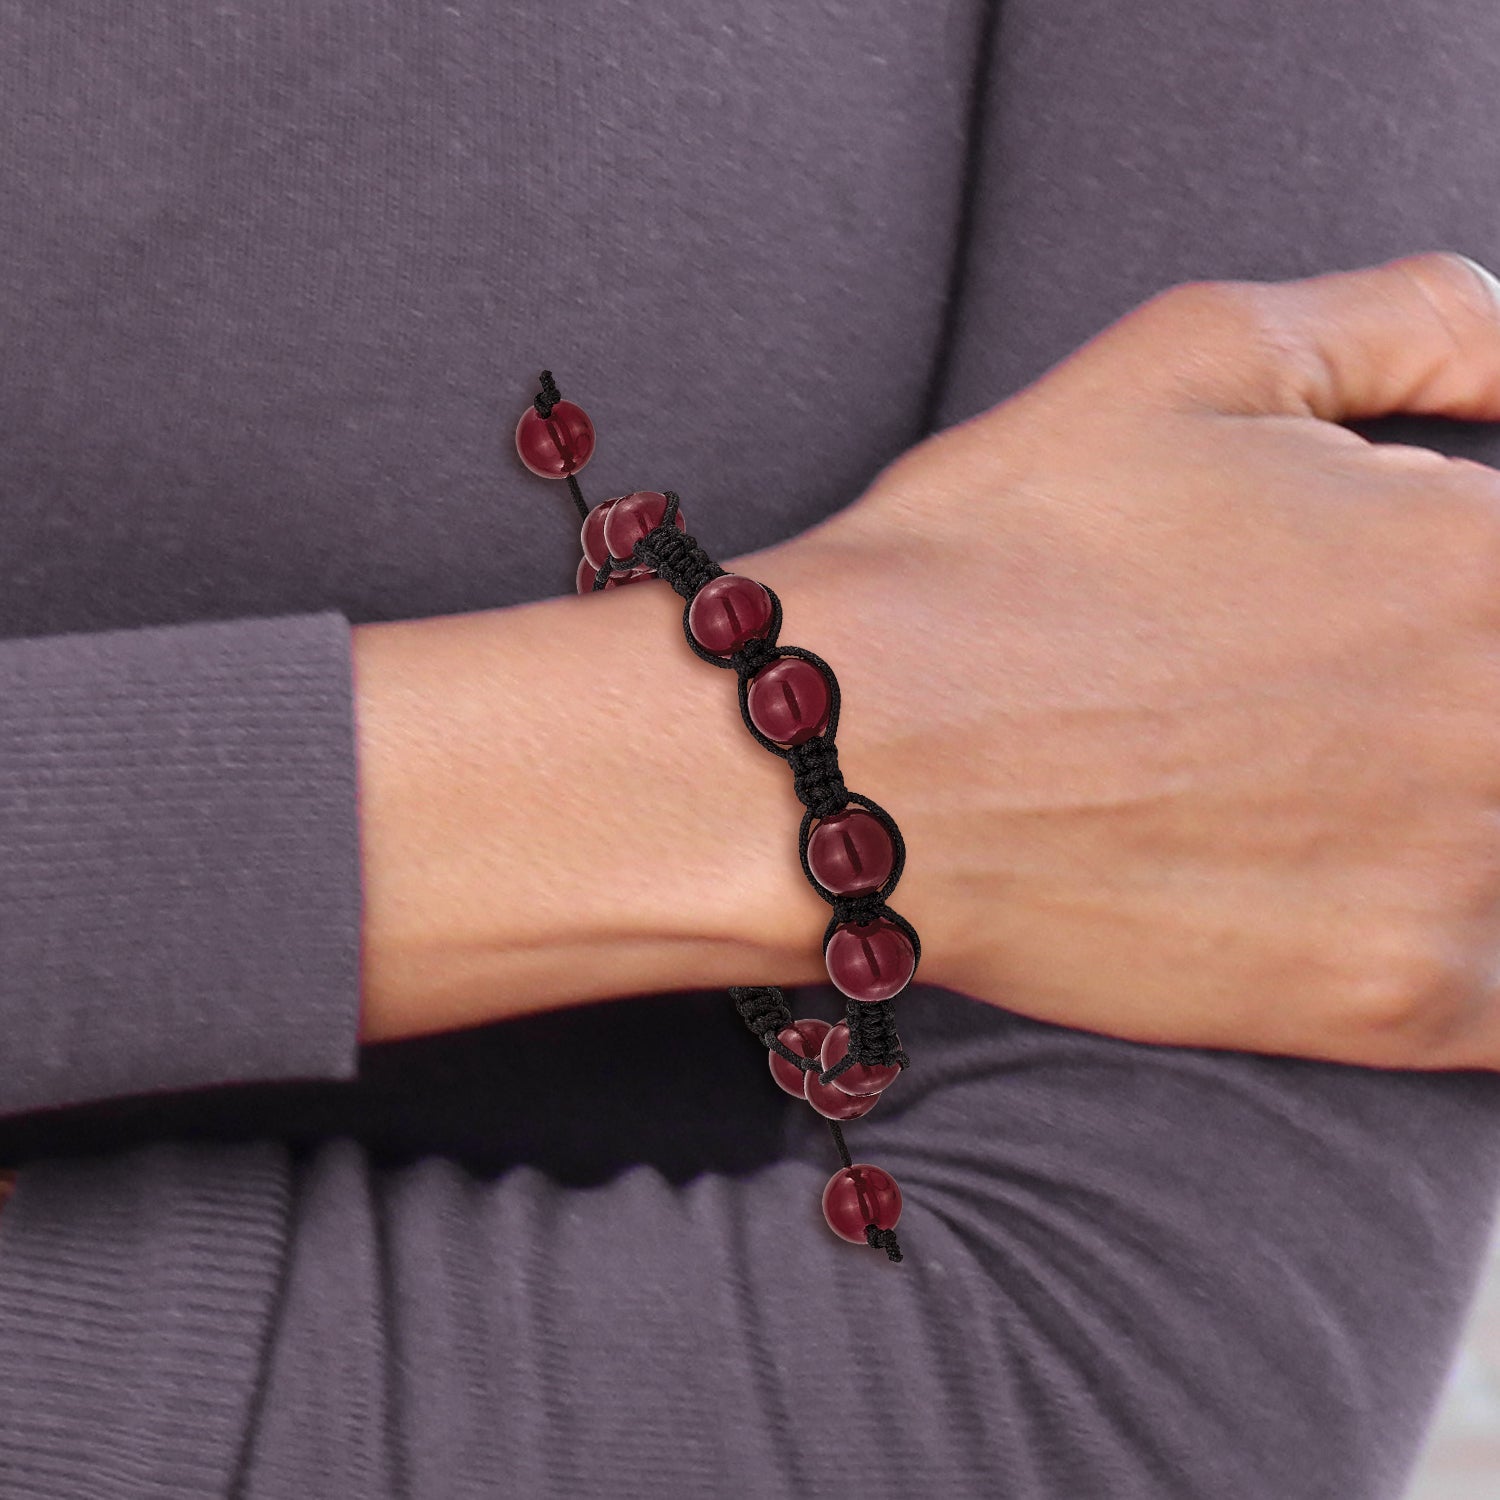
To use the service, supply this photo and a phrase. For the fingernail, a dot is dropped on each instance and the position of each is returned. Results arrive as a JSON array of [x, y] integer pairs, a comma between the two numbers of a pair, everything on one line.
[[1491, 281]]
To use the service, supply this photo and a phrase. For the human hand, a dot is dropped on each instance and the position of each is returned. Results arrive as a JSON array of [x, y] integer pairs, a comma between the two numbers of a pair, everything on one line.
[[1186, 699]]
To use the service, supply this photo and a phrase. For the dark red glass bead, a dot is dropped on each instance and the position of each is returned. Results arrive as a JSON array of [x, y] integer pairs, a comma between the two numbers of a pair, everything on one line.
[[850, 852], [870, 960], [728, 611], [583, 580], [591, 533], [862, 1078], [558, 445], [632, 516], [835, 1104], [804, 1038], [788, 700], [860, 1195]]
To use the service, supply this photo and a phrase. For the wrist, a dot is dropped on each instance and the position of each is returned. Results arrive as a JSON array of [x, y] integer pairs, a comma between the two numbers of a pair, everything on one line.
[[559, 804]]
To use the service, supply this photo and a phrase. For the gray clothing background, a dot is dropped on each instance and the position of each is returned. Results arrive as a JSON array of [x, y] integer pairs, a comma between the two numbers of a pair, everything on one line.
[[276, 282]]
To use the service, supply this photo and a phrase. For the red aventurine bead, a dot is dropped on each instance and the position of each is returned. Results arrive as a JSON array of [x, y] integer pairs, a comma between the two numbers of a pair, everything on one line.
[[833, 1103], [870, 960], [728, 611], [860, 1195], [591, 534], [850, 852], [862, 1078], [788, 700], [632, 516], [558, 445], [583, 580], [804, 1038]]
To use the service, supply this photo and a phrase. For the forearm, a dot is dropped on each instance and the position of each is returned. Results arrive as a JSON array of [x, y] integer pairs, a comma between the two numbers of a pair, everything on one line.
[[559, 803]]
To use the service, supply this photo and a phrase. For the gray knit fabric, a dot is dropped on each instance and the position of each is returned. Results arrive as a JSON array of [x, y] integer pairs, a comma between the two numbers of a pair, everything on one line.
[[275, 283]]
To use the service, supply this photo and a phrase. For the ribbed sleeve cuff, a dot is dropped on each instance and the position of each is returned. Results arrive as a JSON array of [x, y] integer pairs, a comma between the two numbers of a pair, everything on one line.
[[179, 859], [137, 1294]]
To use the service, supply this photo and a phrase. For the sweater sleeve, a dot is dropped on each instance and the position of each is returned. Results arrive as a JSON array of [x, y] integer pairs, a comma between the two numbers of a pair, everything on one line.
[[179, 859], [1142, 1273]]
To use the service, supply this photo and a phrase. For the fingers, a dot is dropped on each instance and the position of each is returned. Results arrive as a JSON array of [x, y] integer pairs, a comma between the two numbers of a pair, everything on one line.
[[1418, 334]]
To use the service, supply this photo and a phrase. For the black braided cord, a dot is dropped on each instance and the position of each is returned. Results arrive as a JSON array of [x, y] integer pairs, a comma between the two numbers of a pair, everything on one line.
[[676, 557]]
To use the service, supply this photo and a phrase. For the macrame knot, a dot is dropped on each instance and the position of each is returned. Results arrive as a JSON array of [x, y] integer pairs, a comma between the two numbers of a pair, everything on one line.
[[816, 778], [884, 1239], [675, 556], [862, 908], [872, 1038], [753, 655], [764, 1011], [872, 1033]]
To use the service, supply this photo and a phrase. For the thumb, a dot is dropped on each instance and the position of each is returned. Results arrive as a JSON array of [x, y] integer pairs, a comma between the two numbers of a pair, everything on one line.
[[1417, 334]]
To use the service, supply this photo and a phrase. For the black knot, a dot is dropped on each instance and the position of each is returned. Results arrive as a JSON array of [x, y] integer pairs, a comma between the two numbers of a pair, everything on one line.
[[548, 396], [862, 908], [761, 1007], [885, 1239], [816, 778], [872, 1033], [765, 1013], [676, 557], [753, 655], [872, 1038]]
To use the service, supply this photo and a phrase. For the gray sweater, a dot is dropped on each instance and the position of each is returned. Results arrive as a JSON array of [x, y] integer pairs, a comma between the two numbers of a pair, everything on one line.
[[275, 283]]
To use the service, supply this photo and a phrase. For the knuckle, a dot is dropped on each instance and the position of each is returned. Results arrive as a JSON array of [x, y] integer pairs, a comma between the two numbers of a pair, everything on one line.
[[1449, 293], [1411, 996], [1474, 483], [1464, 513], [1220, 334], [1446, 281], [1235, 306]]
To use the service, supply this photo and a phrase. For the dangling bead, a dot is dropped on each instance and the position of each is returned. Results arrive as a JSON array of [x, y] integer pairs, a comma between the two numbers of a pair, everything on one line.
[[788, 700], [728, 611], [804, 1038], [631, 516], [870, 960], [833, 1103], [850, 852], [558, 445], [858, 1195], [862, 1078]]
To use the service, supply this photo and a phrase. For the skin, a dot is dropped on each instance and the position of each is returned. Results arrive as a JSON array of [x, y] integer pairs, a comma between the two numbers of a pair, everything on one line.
[[1184, 697]]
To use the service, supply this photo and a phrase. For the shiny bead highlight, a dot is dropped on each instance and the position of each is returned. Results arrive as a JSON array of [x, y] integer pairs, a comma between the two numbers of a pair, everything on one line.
[[558, 445], [857, 1195]]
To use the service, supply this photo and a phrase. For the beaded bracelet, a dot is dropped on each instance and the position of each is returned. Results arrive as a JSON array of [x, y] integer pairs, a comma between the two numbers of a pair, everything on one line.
[[789, 700]]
